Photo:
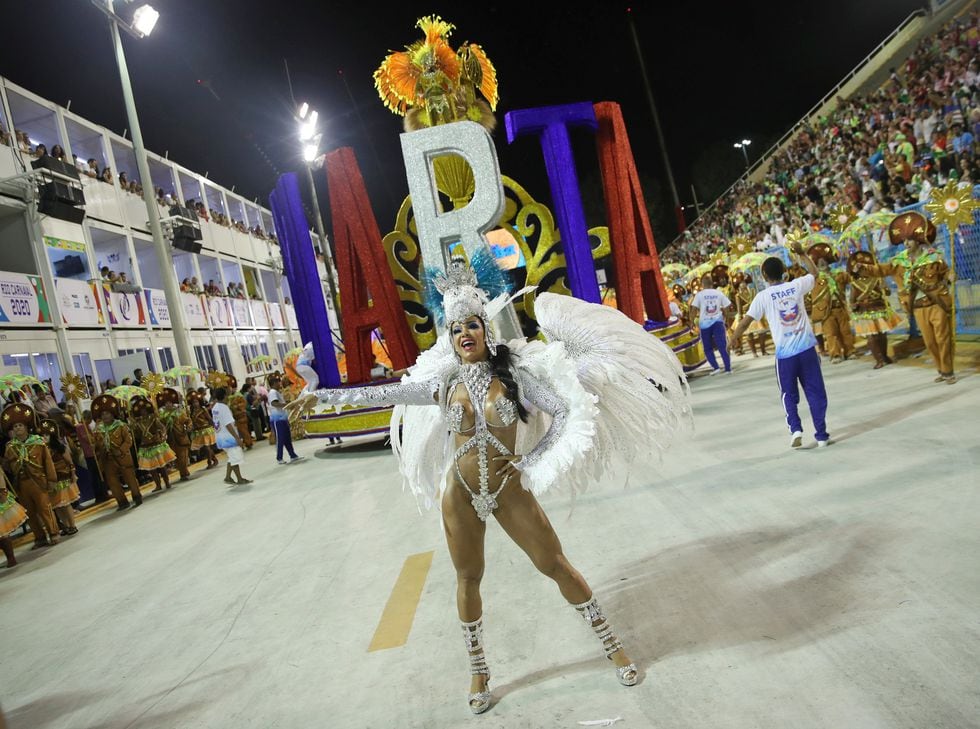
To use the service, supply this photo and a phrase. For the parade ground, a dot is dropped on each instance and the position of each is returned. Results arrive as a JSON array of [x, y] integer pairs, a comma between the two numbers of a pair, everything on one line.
[[754, 585]]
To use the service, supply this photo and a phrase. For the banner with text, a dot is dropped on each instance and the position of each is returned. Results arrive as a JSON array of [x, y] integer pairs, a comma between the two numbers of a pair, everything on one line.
[[218, 312], [275, 315], [22, 301], [260, 316], [125, 310], [79, 301], [156, 308], [194, 310], [241, 313]]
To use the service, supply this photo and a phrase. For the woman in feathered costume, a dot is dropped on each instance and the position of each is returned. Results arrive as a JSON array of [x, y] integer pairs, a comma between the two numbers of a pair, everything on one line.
[[501, 424]]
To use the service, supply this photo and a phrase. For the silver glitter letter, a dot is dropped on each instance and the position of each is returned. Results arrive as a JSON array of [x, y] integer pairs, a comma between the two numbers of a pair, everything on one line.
[[469, 223]]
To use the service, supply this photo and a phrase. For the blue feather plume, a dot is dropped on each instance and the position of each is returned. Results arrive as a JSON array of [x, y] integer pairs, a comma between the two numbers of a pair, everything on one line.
[[492, 279], [489, 276]]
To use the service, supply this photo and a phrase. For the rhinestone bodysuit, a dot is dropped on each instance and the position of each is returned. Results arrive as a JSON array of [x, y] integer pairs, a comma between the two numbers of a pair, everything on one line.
[[476, 380]]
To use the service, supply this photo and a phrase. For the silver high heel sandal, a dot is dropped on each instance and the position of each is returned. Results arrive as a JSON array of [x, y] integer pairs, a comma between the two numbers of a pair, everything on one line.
[[590, 610], [473, 635]]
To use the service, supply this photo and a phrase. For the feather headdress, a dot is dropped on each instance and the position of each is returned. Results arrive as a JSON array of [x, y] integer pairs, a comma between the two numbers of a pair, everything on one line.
[[466, 288]]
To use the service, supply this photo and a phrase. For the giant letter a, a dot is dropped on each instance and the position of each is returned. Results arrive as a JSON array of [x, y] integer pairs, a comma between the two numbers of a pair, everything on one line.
[[368, 298], [639, 284]]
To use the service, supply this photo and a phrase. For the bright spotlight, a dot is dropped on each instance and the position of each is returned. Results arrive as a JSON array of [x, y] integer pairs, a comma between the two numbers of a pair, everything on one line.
[[306, 131], [746, 142], [144, 19], [309, 152], [304, 110]]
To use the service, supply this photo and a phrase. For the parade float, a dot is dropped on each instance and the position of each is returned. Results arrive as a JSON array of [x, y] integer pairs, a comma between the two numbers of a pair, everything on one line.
[[460, 202]]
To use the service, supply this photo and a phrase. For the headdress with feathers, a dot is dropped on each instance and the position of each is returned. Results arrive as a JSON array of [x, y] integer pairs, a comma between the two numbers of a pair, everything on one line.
[[464, 289]]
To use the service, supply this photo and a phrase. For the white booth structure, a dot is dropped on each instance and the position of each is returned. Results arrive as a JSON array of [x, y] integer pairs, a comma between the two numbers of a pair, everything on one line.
[[59, 313]]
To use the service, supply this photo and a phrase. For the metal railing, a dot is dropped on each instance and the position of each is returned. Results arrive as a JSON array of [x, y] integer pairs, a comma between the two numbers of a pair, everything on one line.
[[806, 118]]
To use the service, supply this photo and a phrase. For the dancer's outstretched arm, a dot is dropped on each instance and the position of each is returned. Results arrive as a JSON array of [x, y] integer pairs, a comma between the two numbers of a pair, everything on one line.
[[423, 392]]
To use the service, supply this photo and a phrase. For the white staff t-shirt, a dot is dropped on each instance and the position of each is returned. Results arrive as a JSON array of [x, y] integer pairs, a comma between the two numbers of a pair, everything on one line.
[[274, 412], [782, 305], [710, 303], [222, 417]]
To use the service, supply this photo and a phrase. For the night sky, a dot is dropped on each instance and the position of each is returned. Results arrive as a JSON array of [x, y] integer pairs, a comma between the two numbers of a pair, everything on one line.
[[211, 88]]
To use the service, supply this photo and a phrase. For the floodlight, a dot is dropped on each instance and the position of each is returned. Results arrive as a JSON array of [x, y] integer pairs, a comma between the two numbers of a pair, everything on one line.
[[309, 152], [144, 19]]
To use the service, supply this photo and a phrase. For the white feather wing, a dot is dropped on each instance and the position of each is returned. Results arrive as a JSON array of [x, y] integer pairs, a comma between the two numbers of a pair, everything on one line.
[[642, 394]]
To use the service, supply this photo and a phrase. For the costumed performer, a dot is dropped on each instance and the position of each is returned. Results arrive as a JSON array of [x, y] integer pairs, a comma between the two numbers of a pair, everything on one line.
[[114, 451], [871, 310], [304, 368], [28, 460], [65, 490], [202, 435], [153, 452], [829, 314], [498, 425], [12, 517], [239, 410], [179, 428], [924, 290]]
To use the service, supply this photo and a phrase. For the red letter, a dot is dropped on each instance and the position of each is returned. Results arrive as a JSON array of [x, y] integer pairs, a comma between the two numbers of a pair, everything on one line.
[[639, 284], [363, 272]]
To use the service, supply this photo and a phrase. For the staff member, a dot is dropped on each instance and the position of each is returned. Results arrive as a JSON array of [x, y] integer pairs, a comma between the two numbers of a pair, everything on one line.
[[711, 304], [797, 361], [279, 420]]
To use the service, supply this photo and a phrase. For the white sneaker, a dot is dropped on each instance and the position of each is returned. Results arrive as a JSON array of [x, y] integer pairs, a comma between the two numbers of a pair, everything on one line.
[[823, 443], [714, 372], [280, 463], [729, 372], [796, 440], [298, 458]]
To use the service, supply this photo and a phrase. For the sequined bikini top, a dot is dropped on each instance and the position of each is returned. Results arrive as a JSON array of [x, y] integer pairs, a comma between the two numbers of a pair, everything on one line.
[[503, 406]]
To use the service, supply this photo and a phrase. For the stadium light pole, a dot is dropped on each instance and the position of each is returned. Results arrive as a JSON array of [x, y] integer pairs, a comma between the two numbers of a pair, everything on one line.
[[144, 18], [310, 139], [744, 146], [678, 209]]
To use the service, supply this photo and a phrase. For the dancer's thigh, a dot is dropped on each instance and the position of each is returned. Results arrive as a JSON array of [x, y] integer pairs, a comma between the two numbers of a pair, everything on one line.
[[464, 531]]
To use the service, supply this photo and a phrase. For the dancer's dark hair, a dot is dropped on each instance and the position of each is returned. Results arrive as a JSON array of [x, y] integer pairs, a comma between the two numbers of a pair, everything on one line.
[[501, 363]]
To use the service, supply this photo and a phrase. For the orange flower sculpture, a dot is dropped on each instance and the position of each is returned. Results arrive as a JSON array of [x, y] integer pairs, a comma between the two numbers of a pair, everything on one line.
[[429, 83]]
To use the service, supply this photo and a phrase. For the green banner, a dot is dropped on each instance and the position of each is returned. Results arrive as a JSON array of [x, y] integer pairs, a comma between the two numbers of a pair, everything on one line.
[[66, 245]]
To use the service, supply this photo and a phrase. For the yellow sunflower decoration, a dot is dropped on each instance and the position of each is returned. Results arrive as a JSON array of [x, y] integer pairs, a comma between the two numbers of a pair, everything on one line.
[[74, 387], [153, 383], [841, 216], [216, 379], [739, 247], [796, 235], [429, 83], [951, 206]]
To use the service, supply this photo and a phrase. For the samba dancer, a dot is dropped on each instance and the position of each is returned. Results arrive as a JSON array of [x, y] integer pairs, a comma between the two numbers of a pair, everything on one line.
[[610, 390]]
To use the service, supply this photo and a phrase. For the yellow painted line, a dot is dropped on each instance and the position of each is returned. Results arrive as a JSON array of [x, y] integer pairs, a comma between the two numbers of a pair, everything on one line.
[[396, 619]]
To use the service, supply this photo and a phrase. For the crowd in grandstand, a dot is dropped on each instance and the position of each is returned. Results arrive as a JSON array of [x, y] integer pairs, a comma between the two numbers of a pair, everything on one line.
[[878, 151], [90, 168]]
